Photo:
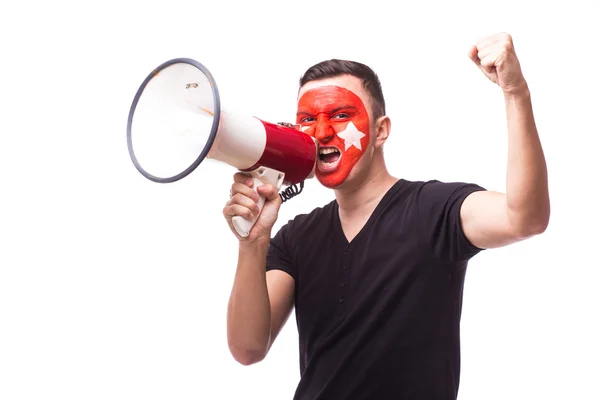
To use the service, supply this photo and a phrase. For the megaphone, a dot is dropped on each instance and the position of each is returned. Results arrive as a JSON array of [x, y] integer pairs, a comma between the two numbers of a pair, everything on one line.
[[176, 121]]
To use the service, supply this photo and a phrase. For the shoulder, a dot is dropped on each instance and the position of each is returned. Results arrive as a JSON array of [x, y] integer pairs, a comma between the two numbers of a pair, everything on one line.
[[435, 186], [435, 191], [307, 223], [296, 234], [427, 199], [414, 192], [435, 209]]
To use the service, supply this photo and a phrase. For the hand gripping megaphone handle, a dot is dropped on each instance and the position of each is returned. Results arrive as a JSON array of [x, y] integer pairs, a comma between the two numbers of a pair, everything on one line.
[[261, 176]]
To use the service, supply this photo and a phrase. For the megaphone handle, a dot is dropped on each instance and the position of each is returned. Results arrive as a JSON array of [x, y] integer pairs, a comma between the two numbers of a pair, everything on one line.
[[261, 176]]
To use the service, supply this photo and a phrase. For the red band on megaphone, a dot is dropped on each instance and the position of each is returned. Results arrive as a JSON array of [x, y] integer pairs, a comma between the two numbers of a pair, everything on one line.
[[289, 151]]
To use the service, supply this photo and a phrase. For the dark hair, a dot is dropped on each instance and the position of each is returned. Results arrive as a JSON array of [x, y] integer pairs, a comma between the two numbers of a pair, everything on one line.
[[333, 68]]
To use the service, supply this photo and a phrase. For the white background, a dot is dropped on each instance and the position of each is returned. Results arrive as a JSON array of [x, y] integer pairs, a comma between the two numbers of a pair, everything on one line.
[[115, 287]]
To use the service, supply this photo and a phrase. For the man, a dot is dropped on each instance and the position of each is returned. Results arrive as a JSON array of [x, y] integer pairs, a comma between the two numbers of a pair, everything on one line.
[[376, 276]]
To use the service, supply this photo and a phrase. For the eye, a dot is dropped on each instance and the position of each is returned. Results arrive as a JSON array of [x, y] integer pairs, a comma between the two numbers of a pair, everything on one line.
[[341, 116], [307, 119]]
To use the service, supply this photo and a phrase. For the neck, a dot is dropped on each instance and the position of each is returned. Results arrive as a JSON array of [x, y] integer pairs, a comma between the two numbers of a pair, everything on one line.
[[367, 190]]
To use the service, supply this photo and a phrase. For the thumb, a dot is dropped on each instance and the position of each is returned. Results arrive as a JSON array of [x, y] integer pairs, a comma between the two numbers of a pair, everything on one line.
[[269, 192], [473, 55]]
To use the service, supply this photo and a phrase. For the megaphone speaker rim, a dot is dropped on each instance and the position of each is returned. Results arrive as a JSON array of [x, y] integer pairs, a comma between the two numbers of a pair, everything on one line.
[[214, 128]]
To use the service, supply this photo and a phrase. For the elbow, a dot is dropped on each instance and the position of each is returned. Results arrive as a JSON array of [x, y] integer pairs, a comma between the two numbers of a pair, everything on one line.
[[540, 223], [540, 226], [246, 356], [535, 225], [529, 221]]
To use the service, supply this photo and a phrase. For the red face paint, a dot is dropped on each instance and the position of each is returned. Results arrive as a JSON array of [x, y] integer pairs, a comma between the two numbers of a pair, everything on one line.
[[337, 118]]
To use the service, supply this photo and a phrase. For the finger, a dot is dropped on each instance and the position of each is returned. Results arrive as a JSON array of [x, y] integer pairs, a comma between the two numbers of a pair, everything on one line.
[[243, 189], [499, 42], [235, 210], [244, 201], [473, 54], [488, 63], [486, 51], [240, 177], [489, 40], [483, 43], [477, 53]]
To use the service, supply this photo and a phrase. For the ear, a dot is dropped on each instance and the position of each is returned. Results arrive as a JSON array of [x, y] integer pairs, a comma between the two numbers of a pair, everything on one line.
[[383, 126]]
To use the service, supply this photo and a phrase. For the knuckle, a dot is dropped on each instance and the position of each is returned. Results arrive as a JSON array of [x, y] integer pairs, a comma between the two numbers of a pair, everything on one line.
[[238, 187], [239, 197], [238, 210], [242, 189], [243, 200], [239, 177]]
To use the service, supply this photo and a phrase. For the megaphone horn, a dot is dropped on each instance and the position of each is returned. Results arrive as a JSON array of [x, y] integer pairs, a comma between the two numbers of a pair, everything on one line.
[[176, 121]]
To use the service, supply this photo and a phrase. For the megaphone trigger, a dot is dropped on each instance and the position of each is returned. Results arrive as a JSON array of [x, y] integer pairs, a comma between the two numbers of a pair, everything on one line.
[[261, 176]]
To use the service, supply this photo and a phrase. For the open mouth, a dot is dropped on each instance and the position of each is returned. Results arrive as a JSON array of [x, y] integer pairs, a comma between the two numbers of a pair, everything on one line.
[[329, 157]]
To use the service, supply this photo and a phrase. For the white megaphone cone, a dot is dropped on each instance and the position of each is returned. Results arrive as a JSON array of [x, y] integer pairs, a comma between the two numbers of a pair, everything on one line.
[[176, 121]]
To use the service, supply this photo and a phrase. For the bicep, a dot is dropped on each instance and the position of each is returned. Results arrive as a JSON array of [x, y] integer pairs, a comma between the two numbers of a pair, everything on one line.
[[280, 286], [486, 221]]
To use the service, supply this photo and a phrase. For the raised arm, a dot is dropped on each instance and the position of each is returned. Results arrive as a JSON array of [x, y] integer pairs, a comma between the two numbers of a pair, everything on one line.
[[260, 301], [493, 219]]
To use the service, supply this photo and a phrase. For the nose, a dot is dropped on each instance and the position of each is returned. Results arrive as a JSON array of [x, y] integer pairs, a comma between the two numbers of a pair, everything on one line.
[[323, 131]]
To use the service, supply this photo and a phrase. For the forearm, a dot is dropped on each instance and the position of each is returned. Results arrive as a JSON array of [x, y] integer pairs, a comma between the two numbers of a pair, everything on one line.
[[527, 180], [249, 313]]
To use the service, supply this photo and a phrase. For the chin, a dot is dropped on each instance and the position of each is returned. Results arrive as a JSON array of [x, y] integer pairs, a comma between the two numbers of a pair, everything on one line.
[[338, 178], [327, 183], [333, 182]]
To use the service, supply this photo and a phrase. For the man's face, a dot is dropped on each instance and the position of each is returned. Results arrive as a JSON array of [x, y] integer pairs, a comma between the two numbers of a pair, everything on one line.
[[332, 112]]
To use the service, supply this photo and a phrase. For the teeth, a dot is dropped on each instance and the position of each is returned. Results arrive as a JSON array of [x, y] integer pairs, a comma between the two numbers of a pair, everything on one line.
[[328, 150]]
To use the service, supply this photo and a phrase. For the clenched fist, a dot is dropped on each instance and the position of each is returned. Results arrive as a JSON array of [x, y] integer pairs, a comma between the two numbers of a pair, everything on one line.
[[495, 56], [243, 202]]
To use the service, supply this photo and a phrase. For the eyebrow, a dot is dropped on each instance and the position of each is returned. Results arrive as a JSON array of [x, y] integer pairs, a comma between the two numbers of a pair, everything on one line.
[[335, 110]]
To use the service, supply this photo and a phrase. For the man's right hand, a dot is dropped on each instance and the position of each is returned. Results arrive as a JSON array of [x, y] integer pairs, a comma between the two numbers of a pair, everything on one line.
[[243, 202]]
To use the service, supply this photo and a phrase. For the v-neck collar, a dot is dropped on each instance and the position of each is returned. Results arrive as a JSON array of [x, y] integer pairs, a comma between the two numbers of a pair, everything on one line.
[[349, 245]]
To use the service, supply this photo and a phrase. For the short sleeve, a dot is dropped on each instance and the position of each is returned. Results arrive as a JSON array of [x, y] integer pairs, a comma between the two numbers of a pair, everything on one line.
[[438, 205], [279, 255]]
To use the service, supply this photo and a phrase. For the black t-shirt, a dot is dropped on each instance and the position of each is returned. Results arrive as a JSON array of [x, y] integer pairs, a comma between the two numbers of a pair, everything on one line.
[[378, 318]]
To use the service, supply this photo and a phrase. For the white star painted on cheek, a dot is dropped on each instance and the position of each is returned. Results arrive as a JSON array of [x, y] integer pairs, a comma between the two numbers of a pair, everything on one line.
[[351, 136]]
